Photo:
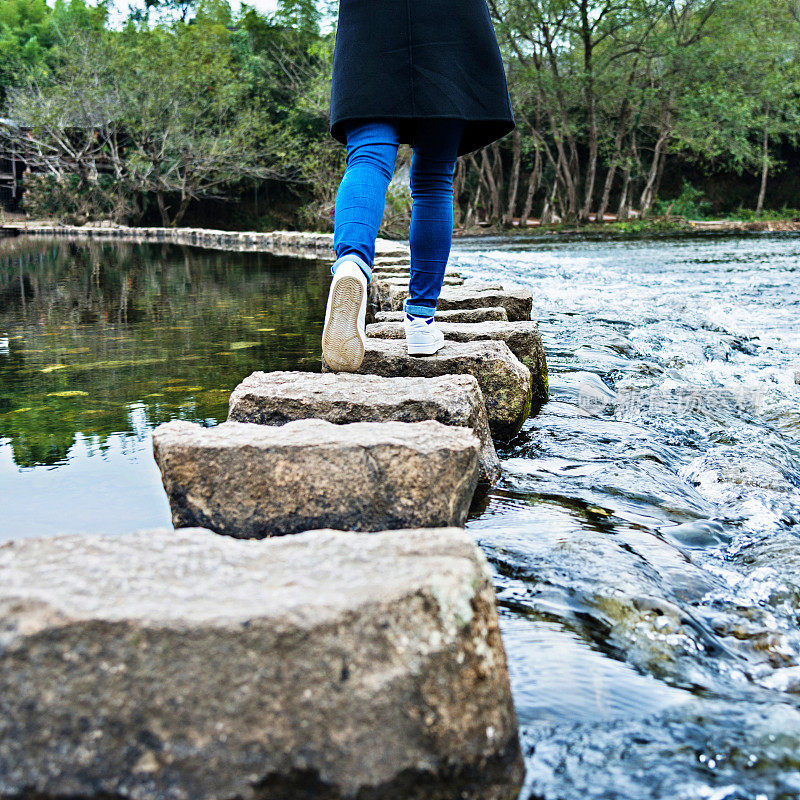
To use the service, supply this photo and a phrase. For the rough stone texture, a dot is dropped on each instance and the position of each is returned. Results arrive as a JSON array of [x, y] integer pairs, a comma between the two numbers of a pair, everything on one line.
[[518, 303], [382, 288], [395, 270], [479, 283], [257, 480], [168, 665], [391, 261], [496, 314], [275, 398], [504, 380], [522, 338]]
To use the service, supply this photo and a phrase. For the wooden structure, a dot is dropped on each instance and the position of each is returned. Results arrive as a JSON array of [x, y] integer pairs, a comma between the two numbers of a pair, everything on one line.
[[11, 168]]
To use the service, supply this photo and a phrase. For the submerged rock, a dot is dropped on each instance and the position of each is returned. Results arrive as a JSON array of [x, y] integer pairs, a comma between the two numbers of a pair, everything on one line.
[[183, 664], [495, 314], [518, 303], [505, 382], [522, 338], [257, 480], [275, 398]]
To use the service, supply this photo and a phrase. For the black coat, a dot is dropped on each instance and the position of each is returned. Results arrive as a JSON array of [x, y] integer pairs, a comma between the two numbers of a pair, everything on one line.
[[405, 59]]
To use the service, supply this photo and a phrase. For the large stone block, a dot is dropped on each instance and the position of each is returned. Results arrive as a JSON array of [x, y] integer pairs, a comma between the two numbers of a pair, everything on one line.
[[504, 380], [169, 665], [390, 261], [275, 398], [518, 303], [395, 270], [385, 248], [496, 314], [382, 289], [256, 480], [522, 338]]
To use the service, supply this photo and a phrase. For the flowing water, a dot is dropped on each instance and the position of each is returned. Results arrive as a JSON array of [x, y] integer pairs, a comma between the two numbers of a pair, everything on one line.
[[646, 531], [645, 535]]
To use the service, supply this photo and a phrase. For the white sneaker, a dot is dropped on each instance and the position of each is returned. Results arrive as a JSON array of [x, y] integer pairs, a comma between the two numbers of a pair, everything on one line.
[[423, 338], [343, 337]]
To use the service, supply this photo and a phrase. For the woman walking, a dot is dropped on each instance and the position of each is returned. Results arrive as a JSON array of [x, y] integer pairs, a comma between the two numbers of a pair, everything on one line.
[[427, 73]]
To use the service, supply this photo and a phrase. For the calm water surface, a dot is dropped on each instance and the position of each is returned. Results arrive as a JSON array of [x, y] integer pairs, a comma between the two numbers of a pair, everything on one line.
[[644, 536]]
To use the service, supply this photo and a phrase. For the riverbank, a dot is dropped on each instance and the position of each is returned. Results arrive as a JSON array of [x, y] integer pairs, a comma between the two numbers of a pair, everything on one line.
[[638, 227]]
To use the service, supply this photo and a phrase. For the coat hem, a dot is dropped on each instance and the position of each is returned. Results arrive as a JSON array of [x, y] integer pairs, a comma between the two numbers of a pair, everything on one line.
[[471, 140]]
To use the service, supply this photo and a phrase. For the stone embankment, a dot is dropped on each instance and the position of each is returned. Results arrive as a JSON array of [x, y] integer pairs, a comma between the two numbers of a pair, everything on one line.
[[290, 243], [362, 660]]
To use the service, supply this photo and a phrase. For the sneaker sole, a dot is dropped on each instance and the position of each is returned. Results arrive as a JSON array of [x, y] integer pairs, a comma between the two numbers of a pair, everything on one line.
[[342, 345], [431, 350]]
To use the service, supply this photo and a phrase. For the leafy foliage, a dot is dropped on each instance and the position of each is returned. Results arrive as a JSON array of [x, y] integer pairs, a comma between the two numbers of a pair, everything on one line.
[[187, 101]]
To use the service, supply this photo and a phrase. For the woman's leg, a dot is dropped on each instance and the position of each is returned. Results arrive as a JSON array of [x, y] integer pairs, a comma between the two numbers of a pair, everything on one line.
[[371, 157], [432, 167]]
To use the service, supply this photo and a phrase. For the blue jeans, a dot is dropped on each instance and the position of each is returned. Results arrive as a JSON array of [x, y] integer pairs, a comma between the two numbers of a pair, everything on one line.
[[371, 156]]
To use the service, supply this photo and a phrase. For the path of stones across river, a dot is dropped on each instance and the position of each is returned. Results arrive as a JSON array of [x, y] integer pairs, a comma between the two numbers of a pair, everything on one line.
[[643, 532]]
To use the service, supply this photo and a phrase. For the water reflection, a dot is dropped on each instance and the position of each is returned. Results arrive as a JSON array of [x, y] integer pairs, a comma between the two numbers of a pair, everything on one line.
[[99, 342]]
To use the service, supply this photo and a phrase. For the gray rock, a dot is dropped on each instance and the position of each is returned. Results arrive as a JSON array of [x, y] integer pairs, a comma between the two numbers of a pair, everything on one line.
[[397, 260], [518, 303], [479, 283], [505, 382], [168, 665], [496, 314], [386, 248], [275, 398], [382, 288], [256, 480], [403, 270], [522, 338]]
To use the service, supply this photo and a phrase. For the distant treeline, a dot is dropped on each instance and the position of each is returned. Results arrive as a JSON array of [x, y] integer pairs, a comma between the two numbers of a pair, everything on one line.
[[624, 107]]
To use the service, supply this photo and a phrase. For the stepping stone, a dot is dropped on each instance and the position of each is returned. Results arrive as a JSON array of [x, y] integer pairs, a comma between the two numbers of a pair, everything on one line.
[[405, 270], [168, 664], [496, 314], [402, 280], [381, 289], [522, 338], [388, 249], [252, 481], [486, 286], [518, 303], [504, 380], [381, 260], [275, 398]]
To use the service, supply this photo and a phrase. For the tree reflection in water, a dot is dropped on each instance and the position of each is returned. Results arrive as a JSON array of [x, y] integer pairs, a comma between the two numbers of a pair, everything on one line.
[[107, 338]]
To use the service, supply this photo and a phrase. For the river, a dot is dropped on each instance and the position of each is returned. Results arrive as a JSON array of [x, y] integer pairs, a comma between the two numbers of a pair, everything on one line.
[[644, 535]]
